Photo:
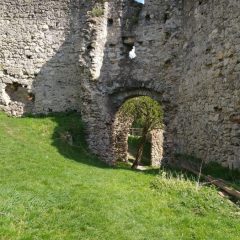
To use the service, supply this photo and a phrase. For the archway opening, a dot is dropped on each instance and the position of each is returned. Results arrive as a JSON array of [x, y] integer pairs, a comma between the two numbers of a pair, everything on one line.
[[138, 132]]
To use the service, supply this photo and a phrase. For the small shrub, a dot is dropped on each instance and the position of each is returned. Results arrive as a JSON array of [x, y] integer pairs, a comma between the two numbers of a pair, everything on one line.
[[97, 11]]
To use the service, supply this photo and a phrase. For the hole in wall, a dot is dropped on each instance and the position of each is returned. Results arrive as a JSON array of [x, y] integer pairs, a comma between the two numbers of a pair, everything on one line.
[[129, 46], [19, 93], [25, 73], [166, 17], [217, 109], [147, 17], [167, 63], [112, 45], [29, 56], [208, 49], [90, 47], [110, 22], [132, 53], [31, 97]]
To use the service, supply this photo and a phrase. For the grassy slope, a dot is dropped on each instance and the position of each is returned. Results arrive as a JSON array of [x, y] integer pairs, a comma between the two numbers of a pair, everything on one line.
[[50, 190]]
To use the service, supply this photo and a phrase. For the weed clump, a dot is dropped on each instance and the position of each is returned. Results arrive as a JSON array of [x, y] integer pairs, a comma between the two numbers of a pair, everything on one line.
[[185, 197]]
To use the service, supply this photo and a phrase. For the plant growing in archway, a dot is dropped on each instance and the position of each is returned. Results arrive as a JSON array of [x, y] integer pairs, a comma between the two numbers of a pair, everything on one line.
[[147, 114]]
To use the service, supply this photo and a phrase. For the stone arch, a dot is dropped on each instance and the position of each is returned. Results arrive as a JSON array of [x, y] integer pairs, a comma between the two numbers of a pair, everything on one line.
[[117, 99]]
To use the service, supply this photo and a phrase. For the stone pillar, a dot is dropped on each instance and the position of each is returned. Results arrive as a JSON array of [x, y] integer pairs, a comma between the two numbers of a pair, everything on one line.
[[122, 126], [157, 147]]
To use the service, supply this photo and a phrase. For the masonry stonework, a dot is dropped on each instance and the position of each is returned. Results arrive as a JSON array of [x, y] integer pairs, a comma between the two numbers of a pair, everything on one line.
[[60, 56], [156, 147]]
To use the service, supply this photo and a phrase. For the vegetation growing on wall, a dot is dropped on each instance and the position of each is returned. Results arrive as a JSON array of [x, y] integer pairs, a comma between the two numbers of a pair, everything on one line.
[[98, 9]]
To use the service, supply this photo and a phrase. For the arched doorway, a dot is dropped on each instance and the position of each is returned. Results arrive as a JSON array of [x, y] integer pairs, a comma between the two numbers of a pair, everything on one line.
[[138, 132], [120, 127]]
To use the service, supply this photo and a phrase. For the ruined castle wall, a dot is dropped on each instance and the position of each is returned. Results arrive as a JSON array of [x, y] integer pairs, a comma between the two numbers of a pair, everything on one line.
[[209, 91], [40, 50], [58, 56], [154, 72]]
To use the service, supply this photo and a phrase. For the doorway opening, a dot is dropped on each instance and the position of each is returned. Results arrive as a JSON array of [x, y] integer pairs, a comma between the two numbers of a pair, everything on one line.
[[138, 132]]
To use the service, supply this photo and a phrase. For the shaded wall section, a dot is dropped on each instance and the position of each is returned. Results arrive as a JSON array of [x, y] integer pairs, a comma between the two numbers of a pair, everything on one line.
[[41, 46]]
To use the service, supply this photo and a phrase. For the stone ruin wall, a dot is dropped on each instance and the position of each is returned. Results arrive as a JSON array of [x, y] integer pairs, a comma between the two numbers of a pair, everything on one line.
[[122, 127], [156, 147], [209, 89], [41, 45], [55, 56]]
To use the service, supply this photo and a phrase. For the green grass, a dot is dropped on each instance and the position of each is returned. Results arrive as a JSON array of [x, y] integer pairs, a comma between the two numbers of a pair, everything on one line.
[[51, 190], [232, 176]]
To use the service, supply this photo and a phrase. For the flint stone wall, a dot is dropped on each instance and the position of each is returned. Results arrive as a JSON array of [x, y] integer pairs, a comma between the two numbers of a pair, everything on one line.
[[187, 58], [41, 44], [122, 127], [156, 147]]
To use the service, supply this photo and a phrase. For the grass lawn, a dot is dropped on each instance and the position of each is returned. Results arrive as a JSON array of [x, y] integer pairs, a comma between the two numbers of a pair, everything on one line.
[[52, 190]]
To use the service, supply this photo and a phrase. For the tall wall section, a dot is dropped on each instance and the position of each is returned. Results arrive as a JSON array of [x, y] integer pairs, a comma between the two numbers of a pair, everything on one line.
[[209, 88], [154, 72], [42, 43]]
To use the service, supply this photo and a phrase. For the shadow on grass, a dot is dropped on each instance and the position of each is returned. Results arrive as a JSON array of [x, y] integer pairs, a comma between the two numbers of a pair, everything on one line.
[[69, 139]]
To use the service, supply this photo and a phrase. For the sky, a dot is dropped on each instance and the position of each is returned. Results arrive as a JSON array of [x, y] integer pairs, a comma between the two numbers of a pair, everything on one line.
[[141, 1]]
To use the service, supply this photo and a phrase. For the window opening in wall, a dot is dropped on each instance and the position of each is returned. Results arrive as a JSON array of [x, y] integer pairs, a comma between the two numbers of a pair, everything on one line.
[[138, 132], [132, 53], [147, 17], [129, 47]]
